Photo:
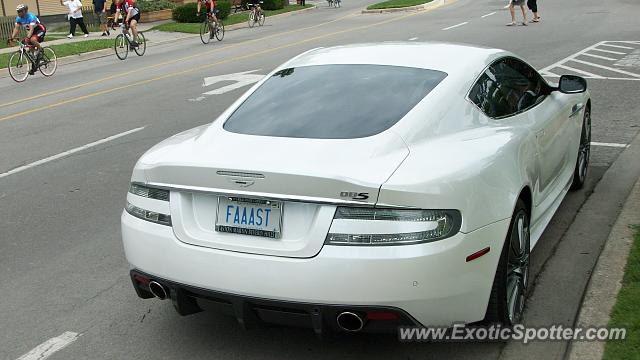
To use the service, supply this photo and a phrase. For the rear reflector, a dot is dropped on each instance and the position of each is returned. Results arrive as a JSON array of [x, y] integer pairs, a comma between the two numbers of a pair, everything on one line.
[[141, 279], [382, 315], [478, 254]]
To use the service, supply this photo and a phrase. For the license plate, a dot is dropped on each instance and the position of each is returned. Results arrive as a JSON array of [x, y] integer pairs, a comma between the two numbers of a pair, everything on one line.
[[254, 217]]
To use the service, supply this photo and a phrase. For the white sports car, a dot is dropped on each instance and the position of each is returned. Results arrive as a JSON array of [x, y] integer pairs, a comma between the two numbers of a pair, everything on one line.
[[362, 187]]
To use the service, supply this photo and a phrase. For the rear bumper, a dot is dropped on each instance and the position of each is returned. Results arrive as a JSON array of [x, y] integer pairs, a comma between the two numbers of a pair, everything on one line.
[[251, 310], [431, 283]]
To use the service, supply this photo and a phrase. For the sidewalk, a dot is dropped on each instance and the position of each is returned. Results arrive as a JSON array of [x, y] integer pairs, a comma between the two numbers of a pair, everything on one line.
[[606, 280]]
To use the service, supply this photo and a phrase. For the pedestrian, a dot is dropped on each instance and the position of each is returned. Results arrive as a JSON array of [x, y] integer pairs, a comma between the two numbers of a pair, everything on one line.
[[75, 17], [100, 10], [512, 10], [533, 6]]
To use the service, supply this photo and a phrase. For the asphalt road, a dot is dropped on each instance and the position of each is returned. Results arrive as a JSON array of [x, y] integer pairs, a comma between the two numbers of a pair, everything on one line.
[[62, 267]]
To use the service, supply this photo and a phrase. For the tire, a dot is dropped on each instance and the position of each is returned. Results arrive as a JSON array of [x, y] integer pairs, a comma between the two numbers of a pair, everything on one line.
[[219, 32], [584, 153], [252, 21], [19, 65], [261, 19], [511, 280], [121, 47], [205, 32], [49, 62], [142, 45]]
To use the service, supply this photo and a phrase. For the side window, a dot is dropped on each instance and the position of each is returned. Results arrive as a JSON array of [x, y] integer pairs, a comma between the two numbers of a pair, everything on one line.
[[507, 87]]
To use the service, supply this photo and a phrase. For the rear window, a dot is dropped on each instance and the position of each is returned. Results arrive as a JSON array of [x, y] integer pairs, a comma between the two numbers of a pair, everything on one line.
[[332, 101]]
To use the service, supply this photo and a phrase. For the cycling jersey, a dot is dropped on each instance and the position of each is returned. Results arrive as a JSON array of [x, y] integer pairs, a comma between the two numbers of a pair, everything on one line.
[[126, 5], [30, 21], [211, 4]]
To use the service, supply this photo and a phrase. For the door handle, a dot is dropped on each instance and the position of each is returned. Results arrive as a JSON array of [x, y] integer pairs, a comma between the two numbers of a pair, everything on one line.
[[576, 109]]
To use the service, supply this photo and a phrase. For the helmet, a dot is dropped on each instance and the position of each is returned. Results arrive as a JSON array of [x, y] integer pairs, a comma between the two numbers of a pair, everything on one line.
[[21, 7]]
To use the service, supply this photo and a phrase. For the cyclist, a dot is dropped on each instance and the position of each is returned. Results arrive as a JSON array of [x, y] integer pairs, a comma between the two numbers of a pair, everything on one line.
[[211, 8], [257, 10], [131, 16], [35, 29]]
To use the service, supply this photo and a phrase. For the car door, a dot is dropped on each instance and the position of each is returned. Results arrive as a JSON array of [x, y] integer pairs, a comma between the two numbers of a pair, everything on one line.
[[546, 111], [513, 92]]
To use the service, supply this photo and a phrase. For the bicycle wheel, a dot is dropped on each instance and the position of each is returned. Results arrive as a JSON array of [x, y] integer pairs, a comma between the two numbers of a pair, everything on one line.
[[252, 20], [121, 47], [261, 18], [142, 44], [48, 62], [205, 32], [219, 32], [19, 66]]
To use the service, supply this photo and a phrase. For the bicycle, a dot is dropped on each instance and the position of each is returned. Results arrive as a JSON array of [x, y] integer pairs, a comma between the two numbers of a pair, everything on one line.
[[256, 15], [123, 43], [24, 62], [211, 28]]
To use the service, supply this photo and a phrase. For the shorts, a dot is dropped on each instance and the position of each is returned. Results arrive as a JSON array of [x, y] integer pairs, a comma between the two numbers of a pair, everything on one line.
[[135, 17], [517, 2], [40, 33], [101, 17]]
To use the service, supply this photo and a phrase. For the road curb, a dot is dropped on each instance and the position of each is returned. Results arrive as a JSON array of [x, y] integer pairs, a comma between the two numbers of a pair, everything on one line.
[[606, 280], [430, 5]]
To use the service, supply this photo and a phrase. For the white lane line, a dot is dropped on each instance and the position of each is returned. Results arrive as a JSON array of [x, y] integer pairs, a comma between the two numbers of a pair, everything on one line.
[[619, 46], [455, 26], [489, 14], [599, 57], [609, 144], [581, 72], [413, 38], [609, 51], [607, 68], [69, 152], [50, 346]]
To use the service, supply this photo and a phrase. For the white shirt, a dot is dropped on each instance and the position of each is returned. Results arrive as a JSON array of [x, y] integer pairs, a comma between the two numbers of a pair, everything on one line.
[[72, 5]]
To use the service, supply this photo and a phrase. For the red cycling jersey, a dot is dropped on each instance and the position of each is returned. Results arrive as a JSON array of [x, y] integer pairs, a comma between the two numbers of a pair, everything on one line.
[[126, 5], [211, 4]]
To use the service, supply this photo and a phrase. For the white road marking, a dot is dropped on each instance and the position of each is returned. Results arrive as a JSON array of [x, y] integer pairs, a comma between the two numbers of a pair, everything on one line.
[[240, 79], [618, 46], [599, 57], [609, 144], [413, 38], [69, 152], [610, 52], [455, 26], [50, 346], [489, 14], [581, 72], [630, 61], [607, 68]]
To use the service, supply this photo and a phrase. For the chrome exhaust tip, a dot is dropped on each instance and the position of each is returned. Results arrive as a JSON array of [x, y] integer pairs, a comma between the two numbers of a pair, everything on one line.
[[349, 321], [157, 290]]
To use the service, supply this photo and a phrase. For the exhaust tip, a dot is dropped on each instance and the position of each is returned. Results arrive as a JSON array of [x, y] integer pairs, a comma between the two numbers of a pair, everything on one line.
[[349, 321], [157, 290]]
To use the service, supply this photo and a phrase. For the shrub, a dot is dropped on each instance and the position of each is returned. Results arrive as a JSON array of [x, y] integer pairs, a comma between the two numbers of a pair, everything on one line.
[[272, 4], [187, 13], [154, 5], [225, 9]]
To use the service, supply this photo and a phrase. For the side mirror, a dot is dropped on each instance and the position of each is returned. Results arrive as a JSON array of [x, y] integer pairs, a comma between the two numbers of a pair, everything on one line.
[[572, 84]]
